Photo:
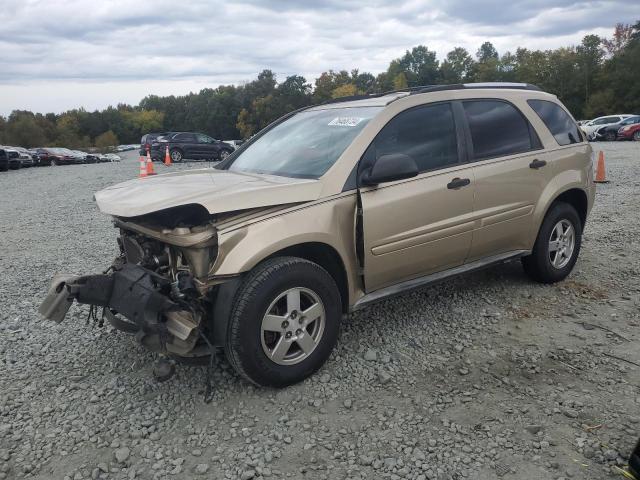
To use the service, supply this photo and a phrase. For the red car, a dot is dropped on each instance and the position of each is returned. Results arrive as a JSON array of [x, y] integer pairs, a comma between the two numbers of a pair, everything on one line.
[[629, 132]]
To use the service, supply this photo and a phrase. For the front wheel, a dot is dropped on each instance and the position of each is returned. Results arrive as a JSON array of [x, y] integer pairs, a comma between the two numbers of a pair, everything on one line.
[[636, 136], [285, 322], [610, 136], [557, 246], [176, 155], [223, 154]]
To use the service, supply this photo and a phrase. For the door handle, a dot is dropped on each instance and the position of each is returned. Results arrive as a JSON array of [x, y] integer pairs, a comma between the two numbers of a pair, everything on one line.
[[536, 164], [458, 183]]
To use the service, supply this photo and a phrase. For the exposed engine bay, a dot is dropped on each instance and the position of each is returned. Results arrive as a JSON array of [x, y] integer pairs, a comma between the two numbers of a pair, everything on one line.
[[159, 287]]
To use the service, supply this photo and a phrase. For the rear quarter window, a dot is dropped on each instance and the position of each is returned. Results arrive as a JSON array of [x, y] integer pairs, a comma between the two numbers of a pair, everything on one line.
[[558, 121]]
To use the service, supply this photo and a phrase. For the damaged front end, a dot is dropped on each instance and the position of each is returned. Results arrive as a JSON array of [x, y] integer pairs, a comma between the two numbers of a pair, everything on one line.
[[160, 283]]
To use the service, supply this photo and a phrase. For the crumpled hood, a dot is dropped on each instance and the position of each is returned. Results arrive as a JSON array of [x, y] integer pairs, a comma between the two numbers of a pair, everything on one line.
[[216, 190]]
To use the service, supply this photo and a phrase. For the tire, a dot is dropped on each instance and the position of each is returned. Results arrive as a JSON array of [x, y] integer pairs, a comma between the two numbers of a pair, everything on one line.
[[223, 154], [610, 137], [636, 136], [540, 264], [253, 351], [176, 155]]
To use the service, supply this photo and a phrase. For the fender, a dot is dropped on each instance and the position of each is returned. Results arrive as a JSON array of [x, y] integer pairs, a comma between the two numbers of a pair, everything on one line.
[[242, 249]]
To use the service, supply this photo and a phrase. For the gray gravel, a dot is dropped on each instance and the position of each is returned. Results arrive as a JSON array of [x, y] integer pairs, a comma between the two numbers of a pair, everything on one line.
[[487, 376]]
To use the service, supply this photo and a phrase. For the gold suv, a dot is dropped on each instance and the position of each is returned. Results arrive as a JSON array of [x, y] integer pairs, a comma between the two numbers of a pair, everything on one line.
[[332, 208]]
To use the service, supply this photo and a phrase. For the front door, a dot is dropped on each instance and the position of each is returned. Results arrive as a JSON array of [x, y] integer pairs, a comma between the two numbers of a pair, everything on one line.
[[423, 224]]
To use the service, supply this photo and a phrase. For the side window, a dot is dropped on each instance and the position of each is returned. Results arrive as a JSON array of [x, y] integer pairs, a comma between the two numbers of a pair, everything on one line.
[[183, 137], [559, 123], [204, 138], [497, 129], [427, 134]]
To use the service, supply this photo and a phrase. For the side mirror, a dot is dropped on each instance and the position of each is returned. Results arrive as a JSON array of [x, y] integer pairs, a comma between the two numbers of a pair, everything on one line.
[[388, 168]]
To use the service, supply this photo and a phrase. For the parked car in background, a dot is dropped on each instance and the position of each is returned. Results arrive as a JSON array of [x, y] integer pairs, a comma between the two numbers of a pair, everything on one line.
[[112, 157], [589, 128], [14, 158], [86, 157], [192, 146], [148, 139], [64, 156], [610, 132], [41, 157], [23, 158], [234, 143], [4, 160], [630, 131], [26, 157]]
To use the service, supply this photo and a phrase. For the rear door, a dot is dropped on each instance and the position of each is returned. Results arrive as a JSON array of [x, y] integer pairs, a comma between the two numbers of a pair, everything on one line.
[[420, 225], [187, 143], [206, 146], [511, 170]]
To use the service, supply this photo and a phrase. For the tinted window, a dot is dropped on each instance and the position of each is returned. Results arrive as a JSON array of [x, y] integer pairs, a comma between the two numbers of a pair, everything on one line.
[[497, 128], [559, 123], [203, 138], [183, 137], [426, 134]]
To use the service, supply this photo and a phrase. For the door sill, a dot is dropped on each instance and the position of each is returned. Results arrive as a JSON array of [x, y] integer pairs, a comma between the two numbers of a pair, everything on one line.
[[408, 285]]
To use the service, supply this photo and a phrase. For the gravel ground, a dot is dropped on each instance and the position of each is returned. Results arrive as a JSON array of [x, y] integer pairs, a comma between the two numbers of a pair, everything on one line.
[[486, 376]]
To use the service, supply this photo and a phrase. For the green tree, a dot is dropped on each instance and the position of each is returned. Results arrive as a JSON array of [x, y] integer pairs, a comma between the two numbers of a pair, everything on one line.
[[457, 67], [346, 90], [106, 140], [23, 130]]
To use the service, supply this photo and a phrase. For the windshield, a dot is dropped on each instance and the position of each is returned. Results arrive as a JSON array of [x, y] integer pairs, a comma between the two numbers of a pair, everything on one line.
[[305, 145]]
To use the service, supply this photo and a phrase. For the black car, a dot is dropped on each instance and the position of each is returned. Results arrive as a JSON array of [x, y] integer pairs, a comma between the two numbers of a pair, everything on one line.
[[187, 145], [4, 160], [14, 158], [148, 139], [610, 132], [27, 159]]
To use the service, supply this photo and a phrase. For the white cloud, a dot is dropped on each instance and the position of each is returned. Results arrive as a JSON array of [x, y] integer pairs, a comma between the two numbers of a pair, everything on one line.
[[68, 54]]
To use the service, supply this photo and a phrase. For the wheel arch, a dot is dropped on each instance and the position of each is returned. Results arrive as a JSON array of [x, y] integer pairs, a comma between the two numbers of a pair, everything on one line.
[[320, 253], [577, 198], [327, 257]]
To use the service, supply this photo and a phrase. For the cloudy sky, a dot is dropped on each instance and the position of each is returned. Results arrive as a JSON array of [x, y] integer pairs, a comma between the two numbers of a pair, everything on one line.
[[60, 54]]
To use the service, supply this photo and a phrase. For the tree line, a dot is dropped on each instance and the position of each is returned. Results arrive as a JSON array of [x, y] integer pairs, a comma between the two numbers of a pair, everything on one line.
[[597, 77]]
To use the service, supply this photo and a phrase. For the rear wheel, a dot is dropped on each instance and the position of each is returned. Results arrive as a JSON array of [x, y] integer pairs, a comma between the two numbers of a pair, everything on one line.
[[285, 322], [223, 154], [636, 136], [557, 245], [176, 155], [610, 136]]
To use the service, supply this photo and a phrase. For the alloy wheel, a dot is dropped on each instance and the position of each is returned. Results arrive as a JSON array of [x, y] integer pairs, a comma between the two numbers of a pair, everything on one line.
[[293, 326], [176, 156], [562, 243]]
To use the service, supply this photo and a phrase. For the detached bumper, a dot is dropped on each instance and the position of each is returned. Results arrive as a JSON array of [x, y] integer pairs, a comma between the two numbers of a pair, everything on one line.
[[133, 291]]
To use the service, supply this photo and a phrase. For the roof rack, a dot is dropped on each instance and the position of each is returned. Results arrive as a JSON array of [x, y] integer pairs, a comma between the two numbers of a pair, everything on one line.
[[436, 88], [464, 86]]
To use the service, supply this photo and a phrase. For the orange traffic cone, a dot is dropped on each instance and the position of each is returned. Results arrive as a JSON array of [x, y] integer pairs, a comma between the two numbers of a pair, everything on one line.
[[167, 157], [601, 174], [150, 170], [143, 167]]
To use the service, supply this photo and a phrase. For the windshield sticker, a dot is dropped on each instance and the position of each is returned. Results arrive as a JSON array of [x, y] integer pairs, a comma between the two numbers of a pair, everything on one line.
[[345, 121]]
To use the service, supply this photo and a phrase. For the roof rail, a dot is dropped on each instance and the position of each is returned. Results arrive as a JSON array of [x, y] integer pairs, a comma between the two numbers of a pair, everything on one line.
[[464, 86], [436, 88]]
